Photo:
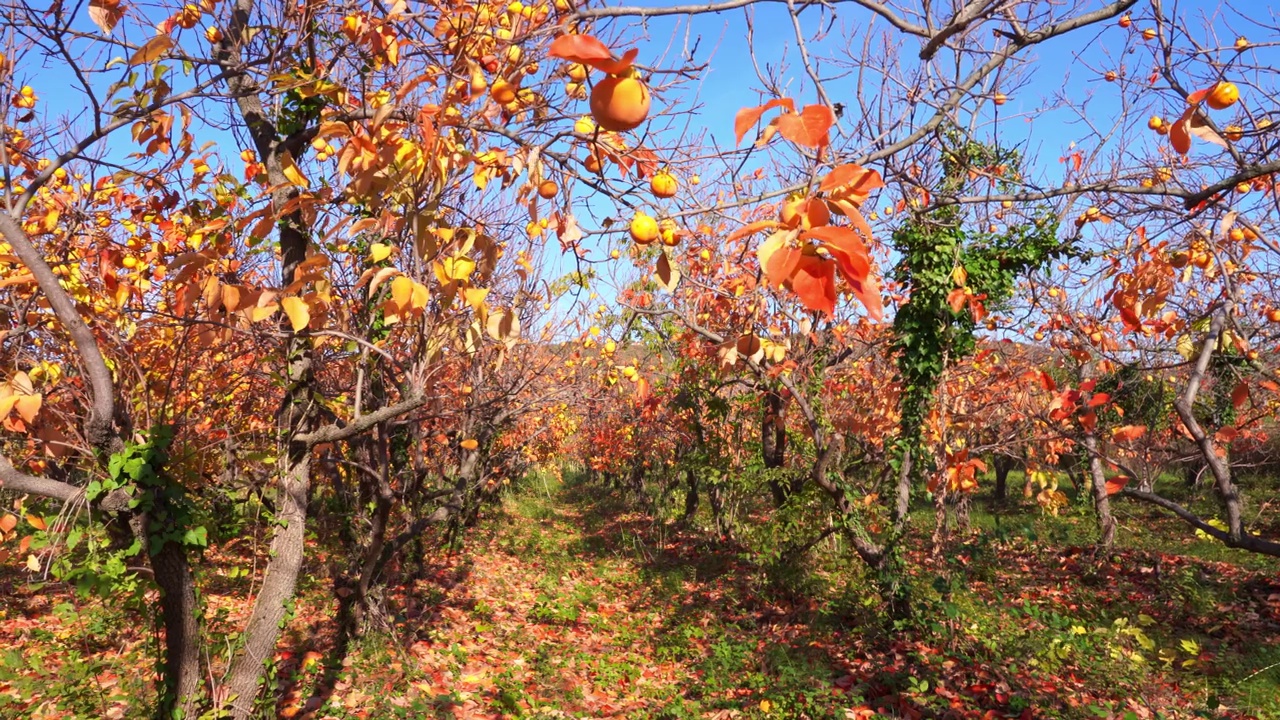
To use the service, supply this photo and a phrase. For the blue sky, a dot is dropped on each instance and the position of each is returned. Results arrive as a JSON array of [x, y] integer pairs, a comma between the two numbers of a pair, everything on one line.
[[730, 83]]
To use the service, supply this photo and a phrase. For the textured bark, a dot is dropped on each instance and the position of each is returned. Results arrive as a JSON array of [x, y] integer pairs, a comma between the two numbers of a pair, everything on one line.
[[179, 613], [773, 443], [278, 584], [1101, 501]]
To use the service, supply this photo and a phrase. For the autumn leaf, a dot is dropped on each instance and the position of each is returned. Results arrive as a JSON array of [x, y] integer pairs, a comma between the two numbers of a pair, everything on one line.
[[105, 14], [379, 252], [37, 522], [298, 312], [668, 274], [778, 258], [1128, 432], [752, 228], [851, 179], [588, 50], [155, 48], [809, 128], [1239, 395], [1117, 483], [469, 444], [291, 171], [814, 282], [748, 117]]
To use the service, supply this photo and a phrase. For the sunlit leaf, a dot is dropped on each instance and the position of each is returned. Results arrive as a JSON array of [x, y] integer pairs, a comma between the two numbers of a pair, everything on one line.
[[154, 48], [298, 312]]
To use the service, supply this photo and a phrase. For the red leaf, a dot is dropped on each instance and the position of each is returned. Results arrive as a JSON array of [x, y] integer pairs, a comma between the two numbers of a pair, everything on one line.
[[1239, 395], [854, 262], [846, 247], [814, 282], [852, 179], [1128, 432], [956, 299], [1117, 483], [810, 128], [748, 117], [1099, 399]]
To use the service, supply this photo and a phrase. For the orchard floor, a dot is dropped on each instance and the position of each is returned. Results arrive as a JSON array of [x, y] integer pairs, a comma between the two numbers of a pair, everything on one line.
[[566, 603]]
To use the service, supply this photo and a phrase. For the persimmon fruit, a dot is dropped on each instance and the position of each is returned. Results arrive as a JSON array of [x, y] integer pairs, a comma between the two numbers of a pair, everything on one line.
[[620, 102]]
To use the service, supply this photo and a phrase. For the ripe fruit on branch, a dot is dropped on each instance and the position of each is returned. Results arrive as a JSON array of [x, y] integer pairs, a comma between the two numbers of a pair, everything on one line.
[[1223, 95], [620, 102], [669, 233], [1125, 21], [502, 91], [1000, 98], [644, 229], [548, 190], [663, 184]]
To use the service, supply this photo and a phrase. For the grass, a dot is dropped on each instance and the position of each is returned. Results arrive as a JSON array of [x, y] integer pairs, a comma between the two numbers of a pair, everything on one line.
[[568, 602]]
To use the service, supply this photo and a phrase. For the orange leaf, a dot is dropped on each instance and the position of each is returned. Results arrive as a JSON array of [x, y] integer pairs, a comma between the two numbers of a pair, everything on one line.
[[1099, 399], [778, 259], [1128, 432], [956, 299], [748, 117], [851, 179], [751, 228], [854, 262], [814, 282], [154, 49], [588, 50], [810, 128], [470, 444], [37, 522], [7, 523], [1117, 483]]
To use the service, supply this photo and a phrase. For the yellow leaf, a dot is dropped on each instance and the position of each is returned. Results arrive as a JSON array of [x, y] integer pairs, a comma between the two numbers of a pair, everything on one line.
[[420, 296], [37, 522], [475, 297], [765, 706], [291, 171], [379, 252], [258, 314], [470, 444], [298, 312], [401, 291], [155, 47], [33, 563]]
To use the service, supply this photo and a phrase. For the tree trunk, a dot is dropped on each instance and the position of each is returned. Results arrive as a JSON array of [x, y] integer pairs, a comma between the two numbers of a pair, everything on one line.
[[1101, 501], [773, 443], [179, 614], [1003, 465], [691, 495], [278, 584]]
